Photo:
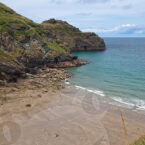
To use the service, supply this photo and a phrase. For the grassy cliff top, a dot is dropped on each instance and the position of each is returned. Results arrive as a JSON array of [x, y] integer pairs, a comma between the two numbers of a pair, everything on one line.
[[21, 29], [72, 38], [9, 19], [54, 34], [60, 26]]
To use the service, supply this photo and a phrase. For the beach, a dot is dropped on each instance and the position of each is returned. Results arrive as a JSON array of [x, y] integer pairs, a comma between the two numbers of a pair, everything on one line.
[[68, 115], [75, 79]]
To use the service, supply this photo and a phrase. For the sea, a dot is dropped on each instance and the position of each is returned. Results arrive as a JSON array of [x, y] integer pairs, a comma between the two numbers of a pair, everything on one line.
[[118, 73]]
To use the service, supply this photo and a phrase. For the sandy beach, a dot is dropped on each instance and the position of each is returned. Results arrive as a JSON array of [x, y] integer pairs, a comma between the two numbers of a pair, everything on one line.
[[69, 116]]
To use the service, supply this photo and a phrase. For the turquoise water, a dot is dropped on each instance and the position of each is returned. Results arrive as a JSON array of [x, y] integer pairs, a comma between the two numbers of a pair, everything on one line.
[[118, 72]]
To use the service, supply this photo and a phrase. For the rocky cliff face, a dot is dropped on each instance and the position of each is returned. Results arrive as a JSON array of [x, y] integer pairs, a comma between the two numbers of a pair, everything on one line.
[[25, 45], [71, 38]]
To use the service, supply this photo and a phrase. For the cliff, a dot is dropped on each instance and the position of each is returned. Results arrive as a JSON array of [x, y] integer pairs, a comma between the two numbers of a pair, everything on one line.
[[71, 38], [26, 46]]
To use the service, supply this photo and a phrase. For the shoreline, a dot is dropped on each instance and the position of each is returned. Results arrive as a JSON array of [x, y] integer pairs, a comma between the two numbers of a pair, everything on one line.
[[13, 75], [46, 80], [117, 101], [65, 116]]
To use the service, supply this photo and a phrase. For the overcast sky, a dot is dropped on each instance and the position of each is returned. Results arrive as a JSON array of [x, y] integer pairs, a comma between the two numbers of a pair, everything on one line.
[[105, 17]]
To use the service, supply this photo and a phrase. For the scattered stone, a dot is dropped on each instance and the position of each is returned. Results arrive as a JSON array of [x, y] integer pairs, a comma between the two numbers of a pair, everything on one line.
[[39, 95], [3, 83], [29, 76], [57, 135], [14, 89], [28, 105], [45, 91]]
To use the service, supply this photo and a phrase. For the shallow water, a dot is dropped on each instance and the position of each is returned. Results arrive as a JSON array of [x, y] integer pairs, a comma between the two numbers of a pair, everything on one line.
[[117, 73]]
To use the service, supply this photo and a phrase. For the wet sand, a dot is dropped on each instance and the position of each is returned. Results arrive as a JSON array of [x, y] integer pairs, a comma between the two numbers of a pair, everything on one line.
[[69, 116]]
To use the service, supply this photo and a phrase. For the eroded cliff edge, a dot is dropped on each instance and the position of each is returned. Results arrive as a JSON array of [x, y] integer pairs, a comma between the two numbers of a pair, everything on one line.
[[26, 46], [71, 38]]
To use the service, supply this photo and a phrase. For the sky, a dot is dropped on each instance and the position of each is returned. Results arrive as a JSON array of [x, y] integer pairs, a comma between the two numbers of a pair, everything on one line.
[[108, 18]]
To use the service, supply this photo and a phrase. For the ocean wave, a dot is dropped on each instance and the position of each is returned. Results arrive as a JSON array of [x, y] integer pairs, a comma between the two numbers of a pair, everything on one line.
[[133, 103], [100, 93], [120, 100]]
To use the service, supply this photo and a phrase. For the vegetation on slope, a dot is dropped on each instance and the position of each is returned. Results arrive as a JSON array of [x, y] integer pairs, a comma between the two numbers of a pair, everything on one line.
[[140, 141], [16, 31], [22, 33], [72, 38]]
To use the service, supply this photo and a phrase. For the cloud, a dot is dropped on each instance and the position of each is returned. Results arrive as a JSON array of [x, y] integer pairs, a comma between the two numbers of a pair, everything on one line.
[[121, 29], [140, 31], [112, 30], [83, 14], [124, 6], [128, 6], [94, 1]]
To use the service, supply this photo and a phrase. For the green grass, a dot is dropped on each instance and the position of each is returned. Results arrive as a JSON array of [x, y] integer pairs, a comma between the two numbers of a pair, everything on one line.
[[140, 141], [6, 55], [4, 8], [10, 57], [11, 21], [56, 47]]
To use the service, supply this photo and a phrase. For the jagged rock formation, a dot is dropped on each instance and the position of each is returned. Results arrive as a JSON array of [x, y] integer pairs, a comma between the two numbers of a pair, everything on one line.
[[71, 38], [25, 45]]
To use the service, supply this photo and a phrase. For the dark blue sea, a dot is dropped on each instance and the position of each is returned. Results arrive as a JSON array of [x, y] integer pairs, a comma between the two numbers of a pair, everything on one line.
[[117, 73]]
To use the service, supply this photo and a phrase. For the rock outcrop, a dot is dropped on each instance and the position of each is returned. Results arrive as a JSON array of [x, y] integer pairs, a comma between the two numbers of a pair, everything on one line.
[[71, 38]]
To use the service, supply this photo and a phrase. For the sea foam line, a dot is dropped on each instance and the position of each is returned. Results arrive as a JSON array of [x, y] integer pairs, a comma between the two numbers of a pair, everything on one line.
[[138, 103], [92, 91], [101, 93], [120, 100]]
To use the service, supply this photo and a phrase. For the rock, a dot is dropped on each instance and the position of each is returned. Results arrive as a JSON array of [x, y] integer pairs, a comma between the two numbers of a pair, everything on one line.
[[28, 105], [73, 63], [12, 80], [3, 83], [39, 95], [72, 38], [29, 76], [57, 135]]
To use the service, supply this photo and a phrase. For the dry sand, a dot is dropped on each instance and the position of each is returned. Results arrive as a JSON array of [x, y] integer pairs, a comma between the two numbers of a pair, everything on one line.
[[70, 116]]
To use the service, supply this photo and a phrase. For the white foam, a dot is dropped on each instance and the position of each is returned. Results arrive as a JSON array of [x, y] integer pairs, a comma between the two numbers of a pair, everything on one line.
[[141, 108], [92, 91], [137, 104], [67, 82], [120, 100], [140, 104], [89, 90]]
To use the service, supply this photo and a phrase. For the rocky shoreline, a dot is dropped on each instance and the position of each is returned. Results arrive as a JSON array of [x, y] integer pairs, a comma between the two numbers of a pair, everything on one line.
[[6, 76], [46, 79]]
